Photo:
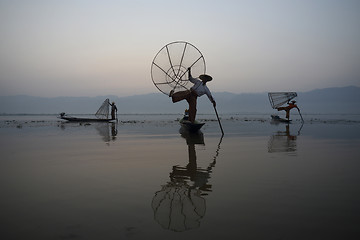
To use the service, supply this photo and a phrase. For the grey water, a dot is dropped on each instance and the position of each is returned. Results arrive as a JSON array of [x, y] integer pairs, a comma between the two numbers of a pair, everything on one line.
[[144, 177]]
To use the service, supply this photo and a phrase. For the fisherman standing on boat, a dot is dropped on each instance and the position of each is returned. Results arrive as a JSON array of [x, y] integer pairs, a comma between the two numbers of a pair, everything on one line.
[[113, 110], [287, 109], [195, 91]]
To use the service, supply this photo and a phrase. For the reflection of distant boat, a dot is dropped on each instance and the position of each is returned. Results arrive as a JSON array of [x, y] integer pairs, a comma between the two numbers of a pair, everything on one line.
[[191, 127], [108, 131], [282, 141]]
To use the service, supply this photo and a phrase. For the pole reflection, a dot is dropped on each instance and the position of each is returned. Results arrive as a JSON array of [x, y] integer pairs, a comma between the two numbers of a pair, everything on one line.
[[180, 204]]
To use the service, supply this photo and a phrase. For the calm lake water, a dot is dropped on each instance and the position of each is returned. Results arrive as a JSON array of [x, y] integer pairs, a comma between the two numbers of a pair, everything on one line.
[[145, 178]]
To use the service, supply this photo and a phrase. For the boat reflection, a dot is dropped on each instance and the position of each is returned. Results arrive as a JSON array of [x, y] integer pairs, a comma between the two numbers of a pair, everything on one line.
[[283, 141], [180, 204], [107, 130]]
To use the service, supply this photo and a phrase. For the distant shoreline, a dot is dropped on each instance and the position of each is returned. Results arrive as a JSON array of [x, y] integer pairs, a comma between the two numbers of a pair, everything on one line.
[[344, 100]]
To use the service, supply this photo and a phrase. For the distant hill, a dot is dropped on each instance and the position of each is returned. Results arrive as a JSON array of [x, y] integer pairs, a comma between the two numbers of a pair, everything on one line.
[[328, 100]]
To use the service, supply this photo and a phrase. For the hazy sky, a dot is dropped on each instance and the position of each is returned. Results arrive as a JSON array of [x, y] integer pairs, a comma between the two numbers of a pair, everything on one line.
[[91, 48]]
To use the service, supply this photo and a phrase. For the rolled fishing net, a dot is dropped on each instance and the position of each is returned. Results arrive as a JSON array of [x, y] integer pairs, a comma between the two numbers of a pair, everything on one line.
[[169, 69]]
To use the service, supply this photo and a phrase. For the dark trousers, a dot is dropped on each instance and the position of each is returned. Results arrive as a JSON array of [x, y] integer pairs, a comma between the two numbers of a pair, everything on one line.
[[191, 98]]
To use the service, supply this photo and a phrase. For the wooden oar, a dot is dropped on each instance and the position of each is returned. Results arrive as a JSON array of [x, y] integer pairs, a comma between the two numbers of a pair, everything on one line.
[[222, 131]]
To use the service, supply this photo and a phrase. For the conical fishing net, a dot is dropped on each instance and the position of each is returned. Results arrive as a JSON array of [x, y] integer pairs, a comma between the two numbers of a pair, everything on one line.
[[279, 98], [103, 111], [169, 69]]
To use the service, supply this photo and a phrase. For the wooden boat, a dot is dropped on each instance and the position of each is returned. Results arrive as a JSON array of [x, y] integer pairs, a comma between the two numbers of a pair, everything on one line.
[[191, 127], [279, 119], [76, 119], [102, 115]]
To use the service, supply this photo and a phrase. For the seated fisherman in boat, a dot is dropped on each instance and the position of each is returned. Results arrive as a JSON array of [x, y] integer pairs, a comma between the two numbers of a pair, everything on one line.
[[195, 91], [113, 110], [287, 109]]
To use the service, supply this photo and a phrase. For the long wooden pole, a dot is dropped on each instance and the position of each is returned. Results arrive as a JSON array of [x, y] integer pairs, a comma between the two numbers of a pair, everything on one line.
[[222, 131], [301, 116]]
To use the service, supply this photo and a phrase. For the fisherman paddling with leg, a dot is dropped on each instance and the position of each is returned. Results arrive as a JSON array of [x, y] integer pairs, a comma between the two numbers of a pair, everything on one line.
[[287, 109], [195, 91]]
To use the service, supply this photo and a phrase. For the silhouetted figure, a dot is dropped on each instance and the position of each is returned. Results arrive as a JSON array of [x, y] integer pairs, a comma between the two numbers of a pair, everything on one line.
[[113, 111], [287, 109], [195, 91]]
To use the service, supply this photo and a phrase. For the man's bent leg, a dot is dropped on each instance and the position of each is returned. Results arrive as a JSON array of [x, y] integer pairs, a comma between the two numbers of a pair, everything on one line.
[[178, 96]]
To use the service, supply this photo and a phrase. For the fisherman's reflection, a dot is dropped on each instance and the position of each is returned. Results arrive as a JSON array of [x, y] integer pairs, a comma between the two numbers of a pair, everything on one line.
[[283, 141], [107, 131], [180, 204]]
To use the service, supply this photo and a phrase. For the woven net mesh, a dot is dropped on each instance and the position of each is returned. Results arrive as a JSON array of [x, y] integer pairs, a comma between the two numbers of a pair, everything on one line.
[[169, 69], [279, 98], [103, 111]]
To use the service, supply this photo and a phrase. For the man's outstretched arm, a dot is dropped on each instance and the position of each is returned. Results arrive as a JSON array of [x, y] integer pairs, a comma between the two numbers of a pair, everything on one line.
[[191, 79]]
